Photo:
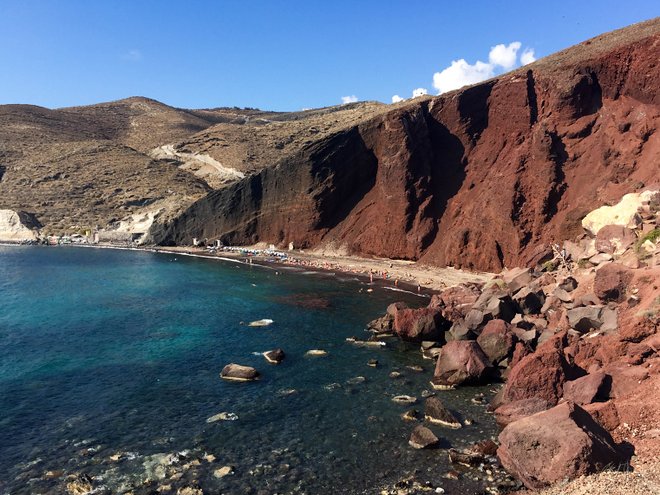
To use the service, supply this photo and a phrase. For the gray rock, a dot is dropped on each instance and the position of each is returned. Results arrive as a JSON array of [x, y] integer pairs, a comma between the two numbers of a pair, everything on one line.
[[530, 301], [422, 438], [586, 318], [436, 412], [276, 356], [237, 372]]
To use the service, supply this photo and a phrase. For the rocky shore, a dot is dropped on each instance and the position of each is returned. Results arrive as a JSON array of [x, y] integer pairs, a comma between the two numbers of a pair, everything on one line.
[[573, 340]]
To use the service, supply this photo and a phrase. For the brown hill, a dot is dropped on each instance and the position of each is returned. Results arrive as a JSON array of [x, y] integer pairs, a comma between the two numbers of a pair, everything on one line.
[[477, 178]]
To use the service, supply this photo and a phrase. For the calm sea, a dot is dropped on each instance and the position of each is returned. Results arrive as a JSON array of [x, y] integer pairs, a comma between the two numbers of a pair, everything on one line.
[[110, 361]]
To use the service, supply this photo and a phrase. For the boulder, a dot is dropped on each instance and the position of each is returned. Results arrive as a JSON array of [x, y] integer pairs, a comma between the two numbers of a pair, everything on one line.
[[276, 356], [569, 284], [422, 438], [561, 443], [604, 413], [611, 282], [529, 300], [541, 374], [416, 325], [624, 213], [496, 340], [456, 301], [501, 307], [459, 331], [474, 320], [436, 412], [517, 278], [237, 372], [594, 387], [383, 324], [518, 409], [461, 361], [562, 295], [615, 239], [585, 318]]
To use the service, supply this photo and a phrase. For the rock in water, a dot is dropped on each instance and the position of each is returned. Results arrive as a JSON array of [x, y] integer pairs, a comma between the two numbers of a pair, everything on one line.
[[404, 399], [437, 413], [461, 361], [261, 323], [223, 471], [80, 485], [276, 356], [422, 438], [223, 416], [237, 372], [561, 443], [316, 353]]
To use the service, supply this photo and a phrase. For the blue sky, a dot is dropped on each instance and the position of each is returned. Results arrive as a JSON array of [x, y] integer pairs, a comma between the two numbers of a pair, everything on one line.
[[279, 55]]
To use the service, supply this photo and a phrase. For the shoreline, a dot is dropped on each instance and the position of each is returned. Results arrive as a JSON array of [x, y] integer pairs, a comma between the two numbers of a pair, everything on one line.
[[389, 274]]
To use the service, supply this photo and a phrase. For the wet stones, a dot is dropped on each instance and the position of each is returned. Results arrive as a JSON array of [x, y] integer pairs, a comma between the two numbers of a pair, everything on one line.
[[239, 373], [422, 438], [276, 356], [404, 399], [80, 484], [223, 416], [436, 412]]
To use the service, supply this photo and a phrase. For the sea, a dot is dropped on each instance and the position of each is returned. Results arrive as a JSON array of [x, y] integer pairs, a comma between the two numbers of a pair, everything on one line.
[[110, 367]]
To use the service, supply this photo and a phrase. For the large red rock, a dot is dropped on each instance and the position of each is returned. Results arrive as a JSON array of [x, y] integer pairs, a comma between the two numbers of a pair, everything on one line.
[[589, 388], [456, 301], [461, 361], [561, 443], [496, 340], [611, 282], [541, 374], [518, 409], [416, 325]]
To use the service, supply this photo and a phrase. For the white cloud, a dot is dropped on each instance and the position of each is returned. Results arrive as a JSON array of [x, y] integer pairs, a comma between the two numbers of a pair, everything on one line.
[[349, 99], [397, 99], [460, 74], [419, 92], [500, 58], [504, 55], [527, 56], [132, 55]]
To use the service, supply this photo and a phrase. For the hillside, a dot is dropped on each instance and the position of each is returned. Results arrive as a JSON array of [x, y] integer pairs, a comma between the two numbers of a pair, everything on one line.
[[477, 178]]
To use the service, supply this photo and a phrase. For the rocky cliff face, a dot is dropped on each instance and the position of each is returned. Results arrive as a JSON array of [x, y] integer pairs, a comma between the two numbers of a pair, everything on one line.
[[478, 178]]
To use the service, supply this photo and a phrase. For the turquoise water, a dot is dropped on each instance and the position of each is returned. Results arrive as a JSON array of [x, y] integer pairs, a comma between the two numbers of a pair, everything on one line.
[[110, 361]]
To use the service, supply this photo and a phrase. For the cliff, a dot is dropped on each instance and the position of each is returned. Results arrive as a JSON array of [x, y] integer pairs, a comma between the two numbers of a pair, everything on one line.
[[477, 178]]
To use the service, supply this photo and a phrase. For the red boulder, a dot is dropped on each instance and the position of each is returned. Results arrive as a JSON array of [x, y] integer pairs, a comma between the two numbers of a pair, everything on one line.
[[561, 443]]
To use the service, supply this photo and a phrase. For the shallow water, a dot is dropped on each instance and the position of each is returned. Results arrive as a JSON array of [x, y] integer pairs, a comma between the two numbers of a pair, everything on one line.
[[110, 361]]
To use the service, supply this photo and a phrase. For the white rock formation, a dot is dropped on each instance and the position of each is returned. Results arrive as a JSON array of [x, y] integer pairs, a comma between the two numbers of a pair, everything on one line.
[[623, 213], [13, 229]]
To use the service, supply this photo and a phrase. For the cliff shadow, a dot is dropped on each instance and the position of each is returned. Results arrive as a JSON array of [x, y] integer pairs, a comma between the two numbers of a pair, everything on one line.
[[343, 171]]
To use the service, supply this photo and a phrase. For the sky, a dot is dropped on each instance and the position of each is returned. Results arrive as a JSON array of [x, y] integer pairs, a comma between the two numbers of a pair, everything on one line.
[[280, 55]]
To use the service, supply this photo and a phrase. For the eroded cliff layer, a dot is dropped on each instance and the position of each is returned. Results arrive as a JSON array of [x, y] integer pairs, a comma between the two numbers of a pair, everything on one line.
[[478, 178]]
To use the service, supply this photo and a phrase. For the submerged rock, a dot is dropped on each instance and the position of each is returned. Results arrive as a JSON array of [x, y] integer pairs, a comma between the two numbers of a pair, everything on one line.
[[261, 323], [422, 438], [237, 372], [223, 471], [316, 353], [276, 356], [223, 416], [404, 399], [81, 484]]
